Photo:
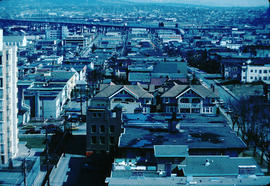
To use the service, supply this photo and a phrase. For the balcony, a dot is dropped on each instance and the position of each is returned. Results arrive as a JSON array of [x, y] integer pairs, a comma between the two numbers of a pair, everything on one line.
[[189, 105]]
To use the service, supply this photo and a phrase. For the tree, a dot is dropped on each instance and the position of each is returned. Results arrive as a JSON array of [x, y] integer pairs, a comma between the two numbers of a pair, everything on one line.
[[252, 116]]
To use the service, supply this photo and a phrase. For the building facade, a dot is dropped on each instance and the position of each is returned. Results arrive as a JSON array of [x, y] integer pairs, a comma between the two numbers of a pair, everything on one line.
[[251, 72], [103, 129], [129, 97], [8, 102], [189, 99]]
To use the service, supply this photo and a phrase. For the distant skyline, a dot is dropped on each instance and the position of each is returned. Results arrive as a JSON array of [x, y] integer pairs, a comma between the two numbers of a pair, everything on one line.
[[220, 3]]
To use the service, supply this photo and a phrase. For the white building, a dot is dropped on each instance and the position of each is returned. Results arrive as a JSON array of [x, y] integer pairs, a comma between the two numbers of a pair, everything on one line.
[[252, 72], [8, 102]]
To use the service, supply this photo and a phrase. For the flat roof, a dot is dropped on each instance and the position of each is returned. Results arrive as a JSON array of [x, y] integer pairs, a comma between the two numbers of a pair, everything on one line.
[[204, 136], [217, 166], [165, 181], [163, 151]]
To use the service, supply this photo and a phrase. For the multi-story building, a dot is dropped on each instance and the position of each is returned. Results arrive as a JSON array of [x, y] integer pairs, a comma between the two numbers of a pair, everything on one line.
[[129, 97], [190, 99], [255, 72], [8, 102], [103, 129]]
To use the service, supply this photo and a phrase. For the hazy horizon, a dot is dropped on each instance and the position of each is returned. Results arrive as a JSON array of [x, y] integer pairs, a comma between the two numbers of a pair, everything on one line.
[[219, 3]]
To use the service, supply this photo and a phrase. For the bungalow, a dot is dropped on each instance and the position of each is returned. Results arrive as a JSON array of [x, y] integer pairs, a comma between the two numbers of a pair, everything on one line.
[[129, 97], [189, 99]]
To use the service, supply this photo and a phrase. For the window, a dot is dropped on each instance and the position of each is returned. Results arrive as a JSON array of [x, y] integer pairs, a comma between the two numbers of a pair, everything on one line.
[[94, 115], [265, 71], [1, 116], [260, 71], [251, 77], [255, 78], [265, 78], [196, 110], [1, 137], [102, 140], [117, 100], [251, 70], [184, 110], [147, 101], [260, 78], [3, 159], [1, 82], [0, 60], [93, 128], [94, 139], [256, 71], [184, 100], [167, 100], [129, 100], [112, 129], [112, 140], [208, 109], [196, 100], [99, 115], [244, 70], [7, 56], [102, 128]]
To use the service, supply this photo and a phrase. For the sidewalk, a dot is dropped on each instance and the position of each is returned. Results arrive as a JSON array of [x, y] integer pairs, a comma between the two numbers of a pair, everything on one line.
[[59, 175]]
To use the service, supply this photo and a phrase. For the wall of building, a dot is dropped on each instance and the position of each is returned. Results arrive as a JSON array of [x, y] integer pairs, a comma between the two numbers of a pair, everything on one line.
[[251, 73]]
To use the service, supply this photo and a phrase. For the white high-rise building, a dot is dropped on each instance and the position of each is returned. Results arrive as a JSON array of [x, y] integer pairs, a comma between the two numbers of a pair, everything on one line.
[[8, 102]]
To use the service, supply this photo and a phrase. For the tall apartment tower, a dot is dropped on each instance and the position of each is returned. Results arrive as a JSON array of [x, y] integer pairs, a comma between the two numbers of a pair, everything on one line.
[[8, 102]]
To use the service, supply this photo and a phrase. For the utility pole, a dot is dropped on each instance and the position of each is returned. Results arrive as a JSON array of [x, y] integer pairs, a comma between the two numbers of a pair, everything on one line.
[[24, 171], [47, 153]]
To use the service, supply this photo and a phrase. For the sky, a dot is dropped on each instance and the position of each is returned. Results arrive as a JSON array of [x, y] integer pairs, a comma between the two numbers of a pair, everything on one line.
[[226, 3]]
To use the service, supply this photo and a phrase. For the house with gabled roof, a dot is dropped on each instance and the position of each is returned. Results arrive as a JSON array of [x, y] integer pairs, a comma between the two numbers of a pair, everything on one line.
[[190, 99], [129, 97]]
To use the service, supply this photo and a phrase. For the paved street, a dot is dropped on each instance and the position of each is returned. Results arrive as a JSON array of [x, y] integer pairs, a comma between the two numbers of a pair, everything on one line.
[[224, 95]]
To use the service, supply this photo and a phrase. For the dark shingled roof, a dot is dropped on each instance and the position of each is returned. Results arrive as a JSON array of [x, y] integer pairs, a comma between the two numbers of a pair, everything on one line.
[[199, 89], [134, 89]]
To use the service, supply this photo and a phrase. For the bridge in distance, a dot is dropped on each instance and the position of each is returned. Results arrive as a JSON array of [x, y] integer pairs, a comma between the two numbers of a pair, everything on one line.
[[81, 22]]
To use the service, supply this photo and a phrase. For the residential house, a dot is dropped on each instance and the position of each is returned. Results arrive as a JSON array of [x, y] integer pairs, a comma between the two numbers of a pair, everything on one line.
[[173, 69], [129, 97], [190, 99]]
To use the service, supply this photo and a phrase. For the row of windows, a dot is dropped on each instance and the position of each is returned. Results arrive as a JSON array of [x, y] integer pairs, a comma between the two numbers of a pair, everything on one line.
[[186, 100], [258, 78], [101, 140], [183, 110], [260, 71], [123, 100], [102, 128], [96, 115], [187, 110]]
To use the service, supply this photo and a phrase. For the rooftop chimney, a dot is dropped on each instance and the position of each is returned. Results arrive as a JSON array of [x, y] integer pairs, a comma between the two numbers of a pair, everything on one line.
[[172, 123]]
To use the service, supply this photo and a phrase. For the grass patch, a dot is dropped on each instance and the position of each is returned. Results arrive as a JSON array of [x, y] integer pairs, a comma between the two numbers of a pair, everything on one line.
[[34, 142]]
